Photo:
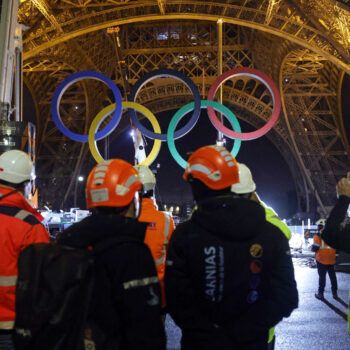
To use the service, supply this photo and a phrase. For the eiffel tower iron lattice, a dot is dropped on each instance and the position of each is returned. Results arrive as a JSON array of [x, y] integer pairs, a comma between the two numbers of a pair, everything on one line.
[[303, 46]]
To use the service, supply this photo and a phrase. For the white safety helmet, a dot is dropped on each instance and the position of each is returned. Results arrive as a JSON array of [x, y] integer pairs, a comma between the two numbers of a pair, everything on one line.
[[15, 167], [246, 183], [321, 222], [147, 177]]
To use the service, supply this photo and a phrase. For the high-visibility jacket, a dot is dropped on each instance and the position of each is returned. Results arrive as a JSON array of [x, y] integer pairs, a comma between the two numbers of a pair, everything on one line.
[[273, 218], [326, 254], [159, 230], [19, 226]]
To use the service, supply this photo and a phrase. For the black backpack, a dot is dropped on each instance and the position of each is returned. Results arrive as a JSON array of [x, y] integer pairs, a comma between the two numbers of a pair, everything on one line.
[[53, 295]]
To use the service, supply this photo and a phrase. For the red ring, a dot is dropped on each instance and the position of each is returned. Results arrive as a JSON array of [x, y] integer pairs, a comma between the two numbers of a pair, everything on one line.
[[270, 84]]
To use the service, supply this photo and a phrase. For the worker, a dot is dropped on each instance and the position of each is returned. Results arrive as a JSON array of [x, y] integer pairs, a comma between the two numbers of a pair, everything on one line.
[[325, 260], [245, 186], [229, 274], [126, 303], [335, 233], [20, 225], [160, 225]]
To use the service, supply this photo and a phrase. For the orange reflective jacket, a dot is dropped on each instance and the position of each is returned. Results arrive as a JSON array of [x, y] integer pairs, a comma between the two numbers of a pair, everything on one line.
[[19, 227], [159, 230], [326, 254]]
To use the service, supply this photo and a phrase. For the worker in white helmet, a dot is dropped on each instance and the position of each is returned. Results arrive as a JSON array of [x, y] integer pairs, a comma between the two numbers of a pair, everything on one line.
[[160, 225], [20, 226], [246, 185]]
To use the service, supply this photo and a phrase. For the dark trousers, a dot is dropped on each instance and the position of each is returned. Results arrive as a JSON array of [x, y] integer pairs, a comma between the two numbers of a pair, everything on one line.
[[6, 340], [322, 271], [271, 345]]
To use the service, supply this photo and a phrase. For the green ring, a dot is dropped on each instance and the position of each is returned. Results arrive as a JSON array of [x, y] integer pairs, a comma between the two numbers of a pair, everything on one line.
[[189, 107]]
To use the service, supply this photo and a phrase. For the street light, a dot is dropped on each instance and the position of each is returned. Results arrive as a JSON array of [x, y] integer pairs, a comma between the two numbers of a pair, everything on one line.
[[80, 178]]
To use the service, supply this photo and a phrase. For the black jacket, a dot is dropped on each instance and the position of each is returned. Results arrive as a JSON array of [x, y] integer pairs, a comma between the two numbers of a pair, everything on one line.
[[229, 276], [335, 233], [126, 300]]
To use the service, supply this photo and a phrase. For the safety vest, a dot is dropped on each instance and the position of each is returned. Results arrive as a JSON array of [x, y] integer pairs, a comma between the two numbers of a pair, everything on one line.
[[326, 254], [272, 217], [19, 227], [159, 230]]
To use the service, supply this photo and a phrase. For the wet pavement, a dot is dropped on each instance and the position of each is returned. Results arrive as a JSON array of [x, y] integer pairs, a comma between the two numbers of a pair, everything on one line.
[[315, 325]]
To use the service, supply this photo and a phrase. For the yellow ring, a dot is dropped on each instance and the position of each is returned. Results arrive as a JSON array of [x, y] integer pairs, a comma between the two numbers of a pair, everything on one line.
[[108, 110]]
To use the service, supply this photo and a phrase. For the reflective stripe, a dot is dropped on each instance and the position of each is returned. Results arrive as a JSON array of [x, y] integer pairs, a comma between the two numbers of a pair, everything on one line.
[[166, 228], [131, 180], [141, 282], [7, 324], [317, 245], [161, 260], [325, 246], [22, 214], [8, 281], [200, 168]]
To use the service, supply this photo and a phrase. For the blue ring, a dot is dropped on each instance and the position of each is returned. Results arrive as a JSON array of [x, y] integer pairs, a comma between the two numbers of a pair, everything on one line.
[[166, 73], [65, 84]]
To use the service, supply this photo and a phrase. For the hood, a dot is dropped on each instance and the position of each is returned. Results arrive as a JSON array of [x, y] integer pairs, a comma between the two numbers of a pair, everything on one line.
[[230, 217], [16, 199], [97, 227]]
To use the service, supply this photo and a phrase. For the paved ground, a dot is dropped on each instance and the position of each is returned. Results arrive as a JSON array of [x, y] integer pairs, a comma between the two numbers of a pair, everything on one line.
[[315, 325]]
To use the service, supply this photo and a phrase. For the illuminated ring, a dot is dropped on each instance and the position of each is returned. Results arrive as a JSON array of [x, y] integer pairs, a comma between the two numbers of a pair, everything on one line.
[[107, 111], [256, 74], [189, 107], [61, 89], [167, 73]]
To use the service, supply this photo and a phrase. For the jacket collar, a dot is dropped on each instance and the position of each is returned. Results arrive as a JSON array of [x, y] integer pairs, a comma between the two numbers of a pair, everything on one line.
[[17, 200]]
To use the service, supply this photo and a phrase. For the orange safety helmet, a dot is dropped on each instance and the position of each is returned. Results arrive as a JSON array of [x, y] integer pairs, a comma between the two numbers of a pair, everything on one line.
[[214, 166], [112, 183]]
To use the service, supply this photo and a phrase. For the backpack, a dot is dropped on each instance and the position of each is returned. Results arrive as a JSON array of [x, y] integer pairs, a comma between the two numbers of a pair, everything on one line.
[[53, 295]]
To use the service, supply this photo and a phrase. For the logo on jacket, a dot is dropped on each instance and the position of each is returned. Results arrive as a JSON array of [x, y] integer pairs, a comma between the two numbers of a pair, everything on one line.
[[256, 266], [152, 225], [252, 296], [256, 250], [214, 272]]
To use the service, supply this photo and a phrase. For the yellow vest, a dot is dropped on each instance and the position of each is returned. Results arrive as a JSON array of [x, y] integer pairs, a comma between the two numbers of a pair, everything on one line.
[[273, 218]]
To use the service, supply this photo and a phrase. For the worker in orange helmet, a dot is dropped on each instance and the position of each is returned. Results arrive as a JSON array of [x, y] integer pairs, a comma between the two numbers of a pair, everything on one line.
[[229, 275], [160, 225], [126, 304], [20, 226], [325, 259]]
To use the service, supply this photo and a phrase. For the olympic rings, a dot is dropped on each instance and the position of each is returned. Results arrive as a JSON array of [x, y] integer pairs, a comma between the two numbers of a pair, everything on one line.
[[269, 83], [108, 110], [171, 135], [65, 84], [189, 107], [167, 73]]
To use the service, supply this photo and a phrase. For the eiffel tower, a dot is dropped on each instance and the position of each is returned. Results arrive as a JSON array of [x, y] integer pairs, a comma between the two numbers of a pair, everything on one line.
[[303, 45]]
